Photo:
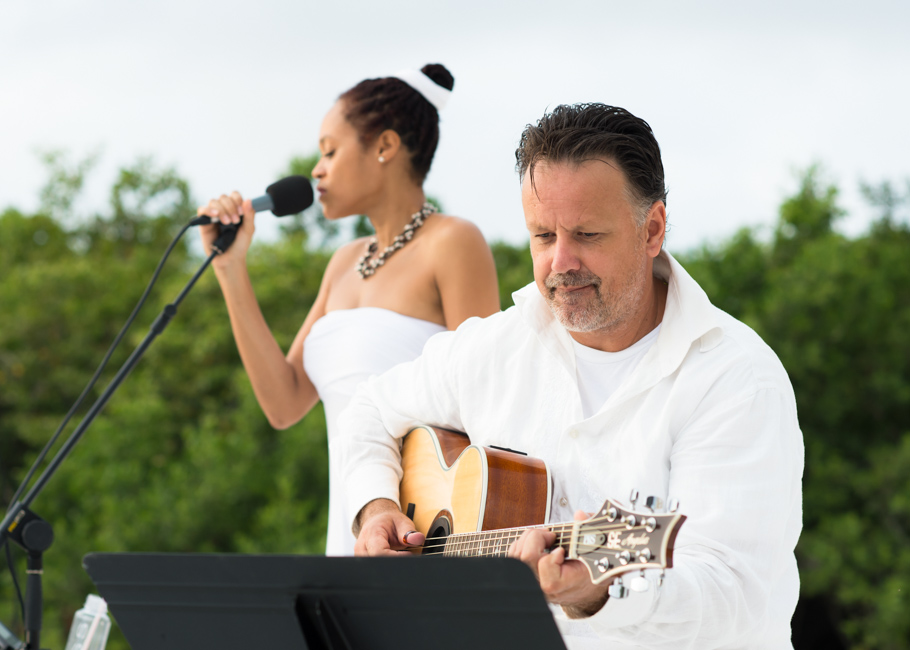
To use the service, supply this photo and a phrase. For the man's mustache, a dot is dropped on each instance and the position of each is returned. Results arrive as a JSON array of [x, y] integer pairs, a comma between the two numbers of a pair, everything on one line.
[[556, 280]]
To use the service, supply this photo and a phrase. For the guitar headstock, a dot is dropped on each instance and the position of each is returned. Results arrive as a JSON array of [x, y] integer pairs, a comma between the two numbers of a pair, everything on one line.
[[615, 540]]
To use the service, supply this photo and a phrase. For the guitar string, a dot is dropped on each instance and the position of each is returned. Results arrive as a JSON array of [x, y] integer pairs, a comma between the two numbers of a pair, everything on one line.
[[563, 527], [482, 536], [461, 540], [506, 533], [580, 548], [454, 545], [632, 562], [555, 528]]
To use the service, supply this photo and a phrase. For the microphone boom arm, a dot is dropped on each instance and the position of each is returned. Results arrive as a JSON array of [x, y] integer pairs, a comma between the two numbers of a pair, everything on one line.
[[19, 509]]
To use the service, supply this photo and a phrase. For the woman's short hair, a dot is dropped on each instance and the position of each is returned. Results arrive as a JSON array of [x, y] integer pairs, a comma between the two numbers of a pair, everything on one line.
[[374, 105], [577, 133]]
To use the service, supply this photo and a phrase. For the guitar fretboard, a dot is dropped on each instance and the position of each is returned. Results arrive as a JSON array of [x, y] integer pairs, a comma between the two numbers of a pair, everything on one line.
[[496, 543]]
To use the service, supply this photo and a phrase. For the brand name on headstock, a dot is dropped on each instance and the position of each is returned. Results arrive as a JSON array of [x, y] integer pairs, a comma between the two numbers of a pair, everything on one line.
[[616, 540]]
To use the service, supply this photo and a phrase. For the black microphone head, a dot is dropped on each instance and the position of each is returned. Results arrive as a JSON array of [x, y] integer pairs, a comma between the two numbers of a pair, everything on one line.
[[290, 195]]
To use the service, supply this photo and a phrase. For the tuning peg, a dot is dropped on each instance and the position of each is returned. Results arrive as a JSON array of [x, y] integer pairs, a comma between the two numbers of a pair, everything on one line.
[[674, 505], [640, 583], [653, 503], [617, 589], [633, 497], [660, 578]]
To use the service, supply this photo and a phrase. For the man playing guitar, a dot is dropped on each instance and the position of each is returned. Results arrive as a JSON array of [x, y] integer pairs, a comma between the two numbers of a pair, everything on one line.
[[615, 369]]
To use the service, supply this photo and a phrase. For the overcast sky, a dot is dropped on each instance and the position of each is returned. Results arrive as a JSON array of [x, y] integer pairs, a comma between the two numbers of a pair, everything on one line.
[[740, 95]]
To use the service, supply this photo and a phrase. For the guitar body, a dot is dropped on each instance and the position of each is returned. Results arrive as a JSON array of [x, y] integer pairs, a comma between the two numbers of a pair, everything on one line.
[[451, 486], [477, 501]]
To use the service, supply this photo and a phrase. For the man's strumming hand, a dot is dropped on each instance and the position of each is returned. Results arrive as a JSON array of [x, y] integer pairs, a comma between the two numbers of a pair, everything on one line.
[[563, 582], [384, 530]]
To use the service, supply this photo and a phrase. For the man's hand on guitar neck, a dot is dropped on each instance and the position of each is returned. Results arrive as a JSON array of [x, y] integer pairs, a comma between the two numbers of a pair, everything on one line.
[[563, 582], [382, 529]]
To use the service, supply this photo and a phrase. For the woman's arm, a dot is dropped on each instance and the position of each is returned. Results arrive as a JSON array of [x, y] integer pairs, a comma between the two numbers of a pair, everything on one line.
[[281, 386]]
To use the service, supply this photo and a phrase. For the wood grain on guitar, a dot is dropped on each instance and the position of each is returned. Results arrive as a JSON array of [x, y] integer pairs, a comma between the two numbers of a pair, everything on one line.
[[473, 501]]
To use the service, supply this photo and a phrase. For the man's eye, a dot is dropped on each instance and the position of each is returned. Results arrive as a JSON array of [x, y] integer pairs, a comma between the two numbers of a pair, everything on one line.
[[544, 235]]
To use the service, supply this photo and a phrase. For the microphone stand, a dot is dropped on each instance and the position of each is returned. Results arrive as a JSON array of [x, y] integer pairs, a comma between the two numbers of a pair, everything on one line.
[[27, 529]]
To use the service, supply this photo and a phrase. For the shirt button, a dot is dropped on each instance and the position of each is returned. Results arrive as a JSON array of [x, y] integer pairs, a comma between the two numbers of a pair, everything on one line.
[[573, 433], [563, 502]]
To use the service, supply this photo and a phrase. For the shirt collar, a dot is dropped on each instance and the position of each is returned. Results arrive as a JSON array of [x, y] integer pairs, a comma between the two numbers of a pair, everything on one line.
[[689, 317]]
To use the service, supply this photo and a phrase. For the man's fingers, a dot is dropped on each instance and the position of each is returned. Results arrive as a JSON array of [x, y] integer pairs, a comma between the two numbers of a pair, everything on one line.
[[378, 545], [531, 547], [550, 571], [387, 532], [581, 515], [413, 538], [562, 581]]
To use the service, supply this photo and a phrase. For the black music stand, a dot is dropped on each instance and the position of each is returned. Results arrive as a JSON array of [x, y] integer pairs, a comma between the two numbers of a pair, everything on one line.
[[199, 601]]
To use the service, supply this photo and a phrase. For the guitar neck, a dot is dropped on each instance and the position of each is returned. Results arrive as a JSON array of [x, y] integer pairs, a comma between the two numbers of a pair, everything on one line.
[[496, 543]]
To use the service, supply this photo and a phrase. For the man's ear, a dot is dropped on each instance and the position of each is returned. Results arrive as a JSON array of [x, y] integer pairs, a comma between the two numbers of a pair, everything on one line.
[[655, 228], [388, 145]]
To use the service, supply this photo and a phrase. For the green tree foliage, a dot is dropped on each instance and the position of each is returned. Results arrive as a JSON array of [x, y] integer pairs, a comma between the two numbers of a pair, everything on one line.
[[182, 458], [513, 268], [836, 310], [64, 183]]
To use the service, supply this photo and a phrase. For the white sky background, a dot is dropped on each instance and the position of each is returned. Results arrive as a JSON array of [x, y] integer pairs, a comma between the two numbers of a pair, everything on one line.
[[227, 92]]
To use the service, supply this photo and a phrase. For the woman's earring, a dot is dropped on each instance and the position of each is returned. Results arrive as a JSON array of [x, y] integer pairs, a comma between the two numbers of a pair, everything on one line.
[[382, 159]]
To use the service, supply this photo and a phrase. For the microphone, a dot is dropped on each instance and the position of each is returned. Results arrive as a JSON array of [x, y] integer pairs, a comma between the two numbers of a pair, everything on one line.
[[290, 195]]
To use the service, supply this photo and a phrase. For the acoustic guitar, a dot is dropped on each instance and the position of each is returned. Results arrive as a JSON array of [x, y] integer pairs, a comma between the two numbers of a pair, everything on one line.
[[476, 501]]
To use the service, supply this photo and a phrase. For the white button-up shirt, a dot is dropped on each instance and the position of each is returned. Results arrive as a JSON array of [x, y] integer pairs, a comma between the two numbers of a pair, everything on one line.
[[708, 417]]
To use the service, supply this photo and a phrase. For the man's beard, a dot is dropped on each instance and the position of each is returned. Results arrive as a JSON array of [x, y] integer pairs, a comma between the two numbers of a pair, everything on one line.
[[590, 310]]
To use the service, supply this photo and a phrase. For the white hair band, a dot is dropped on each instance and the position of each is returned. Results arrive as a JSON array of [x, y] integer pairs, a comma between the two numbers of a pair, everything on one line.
[[432, 91]]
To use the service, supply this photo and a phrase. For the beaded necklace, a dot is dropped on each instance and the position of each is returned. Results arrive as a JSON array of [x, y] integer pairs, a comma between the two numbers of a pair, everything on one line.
[[367, 266]]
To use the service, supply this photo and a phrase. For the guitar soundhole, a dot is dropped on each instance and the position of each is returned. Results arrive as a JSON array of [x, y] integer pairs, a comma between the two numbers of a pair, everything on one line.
[[440, 529]]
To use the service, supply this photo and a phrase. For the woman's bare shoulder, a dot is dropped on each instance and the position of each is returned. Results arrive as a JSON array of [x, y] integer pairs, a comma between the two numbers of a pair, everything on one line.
[[456, 232], [464, 270]]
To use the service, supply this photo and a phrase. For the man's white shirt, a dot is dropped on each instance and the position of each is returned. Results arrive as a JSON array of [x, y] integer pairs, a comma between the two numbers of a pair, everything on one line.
[[707, 416], [600, 374]]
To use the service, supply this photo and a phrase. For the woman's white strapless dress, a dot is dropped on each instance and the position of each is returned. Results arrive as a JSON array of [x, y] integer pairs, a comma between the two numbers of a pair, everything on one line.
[[344, 348]]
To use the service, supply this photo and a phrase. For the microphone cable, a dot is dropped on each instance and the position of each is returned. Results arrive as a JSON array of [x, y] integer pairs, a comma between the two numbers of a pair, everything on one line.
[[50, 443], [286, 196], [283, 197]]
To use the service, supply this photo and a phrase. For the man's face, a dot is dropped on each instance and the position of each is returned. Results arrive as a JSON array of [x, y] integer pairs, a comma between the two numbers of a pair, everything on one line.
[[592, 262]]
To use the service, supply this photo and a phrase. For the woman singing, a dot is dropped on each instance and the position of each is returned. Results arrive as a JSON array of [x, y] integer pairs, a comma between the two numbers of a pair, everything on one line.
[[381, 297]]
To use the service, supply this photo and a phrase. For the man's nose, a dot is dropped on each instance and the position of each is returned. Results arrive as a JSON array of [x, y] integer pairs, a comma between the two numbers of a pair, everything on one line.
[[565, 256]]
